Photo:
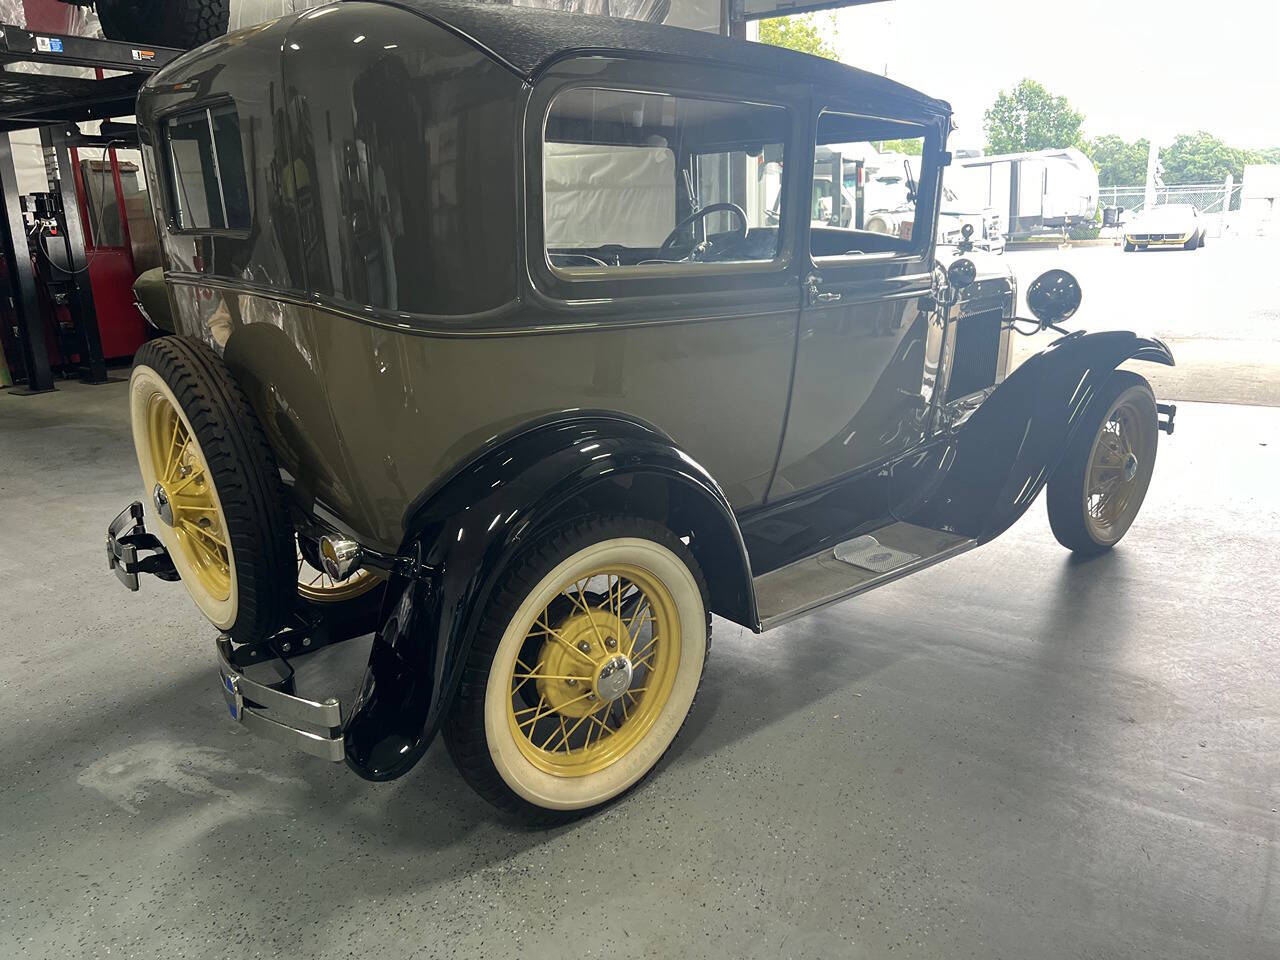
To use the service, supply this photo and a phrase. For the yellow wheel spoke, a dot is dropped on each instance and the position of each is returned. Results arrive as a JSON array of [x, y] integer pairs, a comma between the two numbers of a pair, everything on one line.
[[578, 600], [195, 475], [547, 631], [572, 730], [202, 532], [193, 507], [172, 467], [564, 734], [548, 676], [169, 457]]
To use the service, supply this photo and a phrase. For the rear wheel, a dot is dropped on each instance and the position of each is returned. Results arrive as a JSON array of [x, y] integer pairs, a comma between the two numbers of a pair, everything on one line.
[[1097, 490], [166, 23], [583, 670], [214, 486]]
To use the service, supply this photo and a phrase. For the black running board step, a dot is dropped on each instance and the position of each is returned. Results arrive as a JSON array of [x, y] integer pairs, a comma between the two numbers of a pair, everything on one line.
[[853, 567]]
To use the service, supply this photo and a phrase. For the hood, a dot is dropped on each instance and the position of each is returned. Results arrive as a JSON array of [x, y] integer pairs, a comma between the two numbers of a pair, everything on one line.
[[1163, 219]]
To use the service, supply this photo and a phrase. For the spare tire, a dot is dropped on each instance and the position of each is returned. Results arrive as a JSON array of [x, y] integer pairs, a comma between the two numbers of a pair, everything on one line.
[[214, 487], [165, 23]]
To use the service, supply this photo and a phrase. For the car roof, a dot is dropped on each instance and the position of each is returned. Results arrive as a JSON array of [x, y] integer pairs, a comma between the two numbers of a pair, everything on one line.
[[528, 40]]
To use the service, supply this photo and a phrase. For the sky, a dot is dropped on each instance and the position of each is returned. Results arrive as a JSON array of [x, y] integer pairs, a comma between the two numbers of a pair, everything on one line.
[[1137, 68]]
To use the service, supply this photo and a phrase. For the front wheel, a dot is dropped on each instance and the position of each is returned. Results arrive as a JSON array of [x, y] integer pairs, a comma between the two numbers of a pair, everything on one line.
[[1097, 490], [583, 670]]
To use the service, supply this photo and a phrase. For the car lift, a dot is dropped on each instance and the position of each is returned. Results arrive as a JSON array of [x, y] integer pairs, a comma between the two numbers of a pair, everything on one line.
[[54, 104]]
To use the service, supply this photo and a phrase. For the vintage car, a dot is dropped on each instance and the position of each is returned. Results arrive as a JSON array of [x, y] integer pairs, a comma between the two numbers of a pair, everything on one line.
[[486, 345], [1165, 225]]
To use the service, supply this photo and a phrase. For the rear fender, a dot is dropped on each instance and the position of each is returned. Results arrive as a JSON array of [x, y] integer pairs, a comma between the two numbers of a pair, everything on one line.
[[465, 533], [982, 478]]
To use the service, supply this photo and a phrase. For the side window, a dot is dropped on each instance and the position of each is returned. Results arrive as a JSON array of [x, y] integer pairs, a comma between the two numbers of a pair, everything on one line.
[[206, 169], [866, 174], [642, 180]]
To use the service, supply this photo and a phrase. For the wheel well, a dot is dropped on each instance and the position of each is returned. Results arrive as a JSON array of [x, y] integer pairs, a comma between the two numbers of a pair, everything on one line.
[[688, 511]]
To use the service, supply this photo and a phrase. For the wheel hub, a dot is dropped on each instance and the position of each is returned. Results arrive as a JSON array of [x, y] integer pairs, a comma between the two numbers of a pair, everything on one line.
[[1130, 469], [581, 669], [164, 507], [613, 678]]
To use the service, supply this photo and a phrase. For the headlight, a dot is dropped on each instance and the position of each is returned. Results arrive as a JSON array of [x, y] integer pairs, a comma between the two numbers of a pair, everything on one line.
[[877, 225]]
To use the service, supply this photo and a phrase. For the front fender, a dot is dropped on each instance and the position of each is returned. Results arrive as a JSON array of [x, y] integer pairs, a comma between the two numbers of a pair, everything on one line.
[[980, 480], [466, 531]]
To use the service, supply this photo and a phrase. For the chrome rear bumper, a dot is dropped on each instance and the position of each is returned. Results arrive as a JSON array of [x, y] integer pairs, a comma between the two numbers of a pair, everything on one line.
[[311, 726]]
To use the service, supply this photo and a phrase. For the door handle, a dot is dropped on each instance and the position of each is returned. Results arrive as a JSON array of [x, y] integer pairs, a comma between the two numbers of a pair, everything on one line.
[[812, 294]]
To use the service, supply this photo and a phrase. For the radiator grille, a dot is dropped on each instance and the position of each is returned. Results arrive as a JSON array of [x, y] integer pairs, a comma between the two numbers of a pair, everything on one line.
[[977, 355]]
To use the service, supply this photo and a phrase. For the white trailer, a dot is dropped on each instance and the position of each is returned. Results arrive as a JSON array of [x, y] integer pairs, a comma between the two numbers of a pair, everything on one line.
[[1032, 193]]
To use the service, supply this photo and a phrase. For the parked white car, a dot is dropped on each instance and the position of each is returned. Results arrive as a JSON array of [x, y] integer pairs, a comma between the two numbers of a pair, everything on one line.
[[1167, 225]]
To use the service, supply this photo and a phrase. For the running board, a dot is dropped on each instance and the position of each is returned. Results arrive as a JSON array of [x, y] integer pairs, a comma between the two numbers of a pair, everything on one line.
[[853, 567]]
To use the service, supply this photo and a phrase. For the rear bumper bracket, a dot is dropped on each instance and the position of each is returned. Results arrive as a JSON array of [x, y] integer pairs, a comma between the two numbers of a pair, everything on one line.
[[127, 535]]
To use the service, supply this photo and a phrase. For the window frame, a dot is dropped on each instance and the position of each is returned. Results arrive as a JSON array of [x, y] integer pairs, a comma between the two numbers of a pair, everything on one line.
[[168, 168], [575, 285], [927, 189]]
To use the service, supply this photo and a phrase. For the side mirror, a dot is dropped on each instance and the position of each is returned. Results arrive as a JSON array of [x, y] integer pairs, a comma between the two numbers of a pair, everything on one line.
[[960, 274], [1053, 297]]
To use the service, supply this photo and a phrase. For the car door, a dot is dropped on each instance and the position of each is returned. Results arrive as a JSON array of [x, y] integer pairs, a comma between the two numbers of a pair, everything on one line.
[[860, 393], [661, 251]]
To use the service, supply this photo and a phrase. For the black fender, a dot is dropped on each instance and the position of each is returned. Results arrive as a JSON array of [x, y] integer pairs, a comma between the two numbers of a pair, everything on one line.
[[463, 533], [983, 477]]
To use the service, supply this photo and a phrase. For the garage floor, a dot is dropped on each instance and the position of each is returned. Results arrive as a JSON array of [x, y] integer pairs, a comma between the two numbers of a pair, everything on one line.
[[1010, 755]]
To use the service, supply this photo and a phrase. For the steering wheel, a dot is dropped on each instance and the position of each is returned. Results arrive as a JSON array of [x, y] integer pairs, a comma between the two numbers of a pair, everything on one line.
[[704, 212]]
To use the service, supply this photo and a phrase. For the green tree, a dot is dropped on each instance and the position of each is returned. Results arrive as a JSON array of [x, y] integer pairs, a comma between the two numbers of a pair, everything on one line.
[[1119, 163], [909, 147], [807, 32], [1031, 118], [1201, 157]]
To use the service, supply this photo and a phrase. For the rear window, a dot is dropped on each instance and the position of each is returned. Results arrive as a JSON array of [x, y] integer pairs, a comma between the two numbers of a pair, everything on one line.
[[206, 169]]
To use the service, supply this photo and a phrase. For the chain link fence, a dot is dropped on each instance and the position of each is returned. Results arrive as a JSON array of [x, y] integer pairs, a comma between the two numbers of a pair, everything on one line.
[[1208, 198]]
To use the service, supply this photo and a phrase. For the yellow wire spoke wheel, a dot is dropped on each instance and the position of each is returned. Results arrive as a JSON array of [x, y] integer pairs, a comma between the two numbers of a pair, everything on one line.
[[592, 655], [317, 586], [601, 674], [213, 487], [177, 479]]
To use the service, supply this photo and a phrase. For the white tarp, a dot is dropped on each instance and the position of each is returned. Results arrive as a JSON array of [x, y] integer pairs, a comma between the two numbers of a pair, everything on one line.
[[604, 194]]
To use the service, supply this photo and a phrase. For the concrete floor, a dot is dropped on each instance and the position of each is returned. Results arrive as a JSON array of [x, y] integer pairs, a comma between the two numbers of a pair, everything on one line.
[[1010, 755], [1218, 308]]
